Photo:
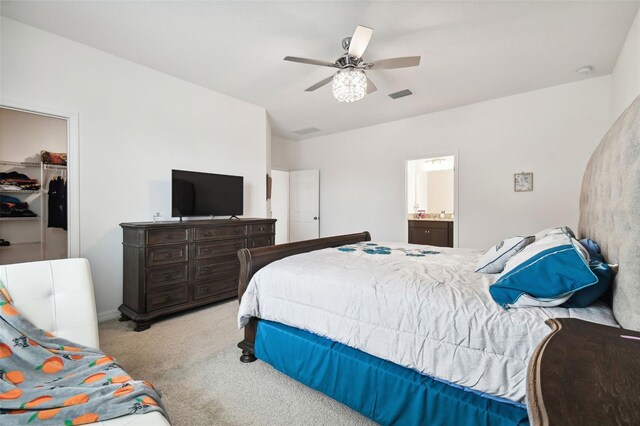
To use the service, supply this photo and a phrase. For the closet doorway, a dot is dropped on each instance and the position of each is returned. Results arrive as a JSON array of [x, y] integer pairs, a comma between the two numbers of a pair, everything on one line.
[[34, 178]]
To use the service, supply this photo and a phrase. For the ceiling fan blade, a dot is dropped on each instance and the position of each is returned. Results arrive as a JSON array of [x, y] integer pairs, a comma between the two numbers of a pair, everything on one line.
[[370, 86], [389, 64], [319, 84], [359, 41], [309, 61]]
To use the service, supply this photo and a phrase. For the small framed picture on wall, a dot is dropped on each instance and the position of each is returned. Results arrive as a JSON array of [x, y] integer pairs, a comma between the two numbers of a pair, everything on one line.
[[523, 182]]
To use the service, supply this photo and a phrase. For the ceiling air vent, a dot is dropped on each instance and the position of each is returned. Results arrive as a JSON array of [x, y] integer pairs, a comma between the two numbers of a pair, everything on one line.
[[400, 94], [306, 131]]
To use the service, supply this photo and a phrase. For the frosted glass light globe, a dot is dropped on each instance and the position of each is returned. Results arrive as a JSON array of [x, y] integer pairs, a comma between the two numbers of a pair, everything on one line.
[[349, 85]]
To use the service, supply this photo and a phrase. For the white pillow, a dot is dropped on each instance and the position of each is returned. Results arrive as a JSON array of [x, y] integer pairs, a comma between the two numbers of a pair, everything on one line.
[[552, 240], [555, 230], [494, 260]]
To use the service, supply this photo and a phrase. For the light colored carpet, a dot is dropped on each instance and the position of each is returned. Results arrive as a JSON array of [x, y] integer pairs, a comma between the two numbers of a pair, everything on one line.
[[193, 359]]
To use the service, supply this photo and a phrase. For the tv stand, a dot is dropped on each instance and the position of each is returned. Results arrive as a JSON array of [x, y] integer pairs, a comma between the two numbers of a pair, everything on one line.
[[174, 266]]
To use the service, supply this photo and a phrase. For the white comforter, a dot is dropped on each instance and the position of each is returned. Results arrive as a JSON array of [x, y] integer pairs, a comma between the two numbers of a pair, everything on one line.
[[431, 313]]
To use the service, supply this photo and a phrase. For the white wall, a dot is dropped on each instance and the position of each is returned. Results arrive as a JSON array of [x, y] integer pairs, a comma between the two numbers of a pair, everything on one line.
[[281, 150], [549, 132], [269, 212], [626, 74], [136, 124]]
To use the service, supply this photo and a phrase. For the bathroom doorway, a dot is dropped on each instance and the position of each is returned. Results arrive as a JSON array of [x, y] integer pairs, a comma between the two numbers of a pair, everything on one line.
[[431, 201]]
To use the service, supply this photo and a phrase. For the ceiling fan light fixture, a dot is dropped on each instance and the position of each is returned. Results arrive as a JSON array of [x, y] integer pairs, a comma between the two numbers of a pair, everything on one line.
[[349, 85]]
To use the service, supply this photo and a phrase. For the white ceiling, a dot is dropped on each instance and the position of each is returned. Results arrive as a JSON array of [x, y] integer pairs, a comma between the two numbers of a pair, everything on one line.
[[471, 51]]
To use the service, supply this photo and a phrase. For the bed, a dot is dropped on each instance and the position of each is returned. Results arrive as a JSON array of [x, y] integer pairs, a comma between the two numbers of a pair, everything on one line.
[[408, 334]]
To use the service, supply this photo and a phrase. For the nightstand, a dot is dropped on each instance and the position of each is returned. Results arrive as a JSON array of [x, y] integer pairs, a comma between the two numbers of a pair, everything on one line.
[[584, 373]]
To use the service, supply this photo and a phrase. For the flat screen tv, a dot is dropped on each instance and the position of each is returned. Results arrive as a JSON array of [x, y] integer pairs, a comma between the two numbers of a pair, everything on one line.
[[205, 194]]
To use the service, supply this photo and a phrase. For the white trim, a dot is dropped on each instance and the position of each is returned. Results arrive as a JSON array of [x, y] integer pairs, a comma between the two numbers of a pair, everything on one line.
[[108, 315], [73, 168], [456, 210], [73, 185]]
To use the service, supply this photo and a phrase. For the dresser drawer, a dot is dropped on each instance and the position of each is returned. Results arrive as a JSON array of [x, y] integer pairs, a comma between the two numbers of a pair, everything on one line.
[[263, 228], [220, 248], [261, 241], [205, 269], [215, 232], [163, 276], [211, 288], [163, 255], [164, 298], [168, 236]]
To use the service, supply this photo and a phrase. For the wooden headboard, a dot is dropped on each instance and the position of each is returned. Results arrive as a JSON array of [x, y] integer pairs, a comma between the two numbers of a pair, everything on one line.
[[610, 210]]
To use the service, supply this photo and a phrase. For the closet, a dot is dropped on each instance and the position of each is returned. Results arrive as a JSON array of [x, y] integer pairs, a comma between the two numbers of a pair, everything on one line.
[[33, 179]]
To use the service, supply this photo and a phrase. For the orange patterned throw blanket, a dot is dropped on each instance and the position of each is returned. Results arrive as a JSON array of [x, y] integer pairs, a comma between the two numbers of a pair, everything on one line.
[[48, 380]]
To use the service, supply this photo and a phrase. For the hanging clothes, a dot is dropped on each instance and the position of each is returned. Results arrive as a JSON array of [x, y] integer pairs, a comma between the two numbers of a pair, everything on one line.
[[57, 203]]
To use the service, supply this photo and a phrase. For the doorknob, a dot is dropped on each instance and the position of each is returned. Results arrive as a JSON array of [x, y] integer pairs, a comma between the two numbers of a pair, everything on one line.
[[315, 218]]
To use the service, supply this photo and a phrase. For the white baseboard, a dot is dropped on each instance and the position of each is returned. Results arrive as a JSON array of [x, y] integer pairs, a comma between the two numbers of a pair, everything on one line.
[[108, 315]]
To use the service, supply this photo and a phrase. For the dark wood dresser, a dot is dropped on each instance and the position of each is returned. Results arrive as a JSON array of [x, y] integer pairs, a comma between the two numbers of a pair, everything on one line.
[[431, 232], [173, 266], [584, 373]]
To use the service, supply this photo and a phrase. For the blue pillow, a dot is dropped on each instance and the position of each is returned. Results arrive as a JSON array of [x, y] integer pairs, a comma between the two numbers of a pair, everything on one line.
[[592, 248], [604, 273], [545, 273], [588, 295]]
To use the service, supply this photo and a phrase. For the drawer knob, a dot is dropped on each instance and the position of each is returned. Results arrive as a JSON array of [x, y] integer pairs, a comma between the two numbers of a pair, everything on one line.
[[207, 234], [168, 236], [206, 269], [206, 250], [167, 276]]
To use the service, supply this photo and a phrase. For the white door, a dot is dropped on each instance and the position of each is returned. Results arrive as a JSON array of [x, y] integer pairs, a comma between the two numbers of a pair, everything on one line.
[[304, 205], [280, 204]]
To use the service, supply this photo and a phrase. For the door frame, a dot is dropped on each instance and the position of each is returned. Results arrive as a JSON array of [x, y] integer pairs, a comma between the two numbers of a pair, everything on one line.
[[73, 172], [456, 209], [288, 204]]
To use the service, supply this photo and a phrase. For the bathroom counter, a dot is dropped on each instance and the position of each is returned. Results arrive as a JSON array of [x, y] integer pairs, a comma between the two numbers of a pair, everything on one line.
[[432, 232]]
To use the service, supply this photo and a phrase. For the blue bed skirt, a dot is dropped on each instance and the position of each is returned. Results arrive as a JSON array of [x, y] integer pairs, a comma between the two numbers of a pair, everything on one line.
[[379, 389]]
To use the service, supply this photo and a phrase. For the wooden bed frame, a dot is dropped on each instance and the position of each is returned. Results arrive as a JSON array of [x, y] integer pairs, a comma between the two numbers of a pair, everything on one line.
[[252, 260], [609, 202]]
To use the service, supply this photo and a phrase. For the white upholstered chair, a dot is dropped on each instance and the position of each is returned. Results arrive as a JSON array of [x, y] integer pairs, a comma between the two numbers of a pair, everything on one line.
[[57, 296]]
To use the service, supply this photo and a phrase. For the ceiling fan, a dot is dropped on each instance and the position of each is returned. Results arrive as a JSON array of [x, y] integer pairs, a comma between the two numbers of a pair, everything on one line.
[[350, 83]]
